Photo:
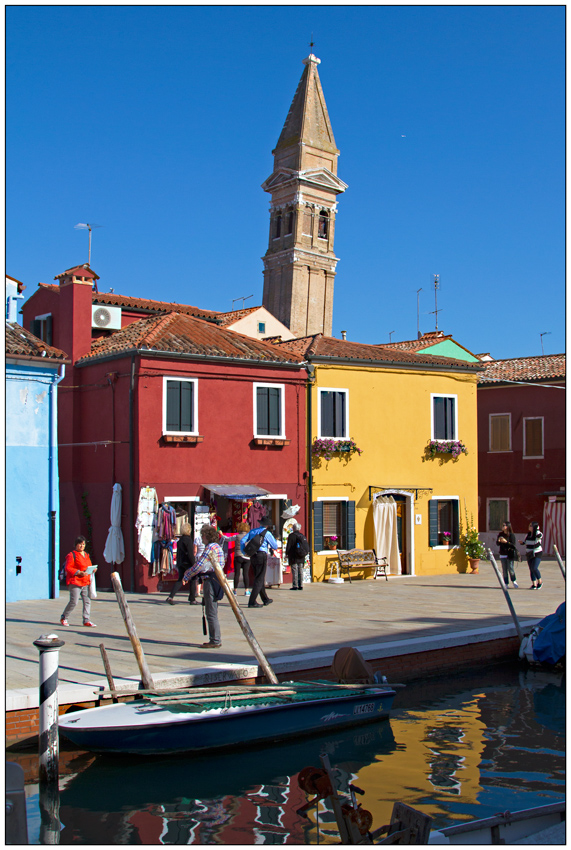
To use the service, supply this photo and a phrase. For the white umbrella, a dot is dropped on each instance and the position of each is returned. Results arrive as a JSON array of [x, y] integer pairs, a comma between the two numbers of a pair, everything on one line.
[[114, 552]]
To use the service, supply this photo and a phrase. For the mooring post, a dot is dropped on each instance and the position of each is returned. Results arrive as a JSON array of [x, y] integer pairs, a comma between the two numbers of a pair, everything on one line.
[[559, 561], [49, 646], [146, 677], [506, 594]]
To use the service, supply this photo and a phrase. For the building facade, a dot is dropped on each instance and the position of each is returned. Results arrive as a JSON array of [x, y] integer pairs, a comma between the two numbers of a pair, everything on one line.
[[521, 438]]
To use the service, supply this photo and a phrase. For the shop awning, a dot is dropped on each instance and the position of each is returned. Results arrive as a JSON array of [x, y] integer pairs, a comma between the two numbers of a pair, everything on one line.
[[237, 491]]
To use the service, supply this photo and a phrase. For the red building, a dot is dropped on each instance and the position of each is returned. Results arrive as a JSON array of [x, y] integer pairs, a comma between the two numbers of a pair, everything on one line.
[[162, 396], [521, 445]]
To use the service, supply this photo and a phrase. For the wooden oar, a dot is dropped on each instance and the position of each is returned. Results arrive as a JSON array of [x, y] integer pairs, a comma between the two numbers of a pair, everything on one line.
[[243, 623]]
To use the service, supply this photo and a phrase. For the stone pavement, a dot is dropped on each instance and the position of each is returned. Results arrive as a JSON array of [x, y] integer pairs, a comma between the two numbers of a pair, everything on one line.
[[300, 631]]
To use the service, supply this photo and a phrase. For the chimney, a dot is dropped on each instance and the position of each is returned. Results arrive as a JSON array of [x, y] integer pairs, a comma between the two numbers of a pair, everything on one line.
[[75, 301], [344, 335]]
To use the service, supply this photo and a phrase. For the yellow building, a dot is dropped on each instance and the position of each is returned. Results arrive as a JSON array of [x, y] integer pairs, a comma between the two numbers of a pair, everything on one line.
[[392, 496]]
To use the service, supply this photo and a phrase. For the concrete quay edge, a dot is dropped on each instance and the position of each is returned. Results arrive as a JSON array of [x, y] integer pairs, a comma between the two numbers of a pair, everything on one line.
[[19, 699]]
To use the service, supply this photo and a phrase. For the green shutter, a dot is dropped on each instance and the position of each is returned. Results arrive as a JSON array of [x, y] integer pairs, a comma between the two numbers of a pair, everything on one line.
[[36, 327], [317, 526], [186, 399], [455, 522], [49, 330], [274, 412], [173, 406], [350, 524], [433, 522]]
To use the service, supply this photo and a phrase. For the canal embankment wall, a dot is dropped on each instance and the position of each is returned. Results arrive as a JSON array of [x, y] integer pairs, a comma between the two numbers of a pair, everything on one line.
[[405, 628]]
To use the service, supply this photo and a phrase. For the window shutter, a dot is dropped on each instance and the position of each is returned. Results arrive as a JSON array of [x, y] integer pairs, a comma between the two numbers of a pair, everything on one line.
[[186, 405], [36, 327], [350, 524], [339, 414], [274, 412], [262, 424], [533, 438], [327, 415], [455, 522], [433, 523], [317, 526], [173, 406], [499, 433], [49, 330], [450, 419]]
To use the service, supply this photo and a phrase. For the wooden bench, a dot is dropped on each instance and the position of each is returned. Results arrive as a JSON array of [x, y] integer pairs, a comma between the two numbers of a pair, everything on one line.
[[359, 559]]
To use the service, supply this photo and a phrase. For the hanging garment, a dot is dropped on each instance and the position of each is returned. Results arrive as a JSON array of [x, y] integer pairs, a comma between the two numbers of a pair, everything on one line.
[[114, 552], [386, 537], [146, 521]]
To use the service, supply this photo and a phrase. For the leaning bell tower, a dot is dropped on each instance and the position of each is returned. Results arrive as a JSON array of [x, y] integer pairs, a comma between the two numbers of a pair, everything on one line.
[[299, 265]]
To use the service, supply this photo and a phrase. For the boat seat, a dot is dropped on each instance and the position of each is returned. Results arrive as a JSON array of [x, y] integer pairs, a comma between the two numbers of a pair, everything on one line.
[[407, 826]]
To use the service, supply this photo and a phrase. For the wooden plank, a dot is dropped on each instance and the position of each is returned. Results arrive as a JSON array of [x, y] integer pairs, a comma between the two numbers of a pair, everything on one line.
[[146, 677]]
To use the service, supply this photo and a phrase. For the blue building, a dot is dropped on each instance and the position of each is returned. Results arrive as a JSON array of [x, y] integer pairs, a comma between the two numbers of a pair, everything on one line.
[[33, 371]]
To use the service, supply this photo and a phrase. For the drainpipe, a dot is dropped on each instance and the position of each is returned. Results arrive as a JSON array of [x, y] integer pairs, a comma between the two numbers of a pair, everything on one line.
[[132, 472], [53, 474], [311, 380]]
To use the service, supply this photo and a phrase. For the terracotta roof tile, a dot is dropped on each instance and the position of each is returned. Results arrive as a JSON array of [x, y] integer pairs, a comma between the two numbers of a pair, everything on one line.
[[232, 316], [185, 335], [22, 343], [425, 341], [543, 368], [326, 346]]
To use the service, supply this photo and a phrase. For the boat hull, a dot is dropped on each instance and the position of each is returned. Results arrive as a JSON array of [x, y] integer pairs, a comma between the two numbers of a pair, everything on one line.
[[144, 728]]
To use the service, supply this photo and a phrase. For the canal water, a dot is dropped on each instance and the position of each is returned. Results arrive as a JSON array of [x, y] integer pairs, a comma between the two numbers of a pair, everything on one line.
[[456, 748]]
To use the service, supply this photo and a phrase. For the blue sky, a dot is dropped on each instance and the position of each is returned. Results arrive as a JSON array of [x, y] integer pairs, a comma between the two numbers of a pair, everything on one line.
[[158, 124]]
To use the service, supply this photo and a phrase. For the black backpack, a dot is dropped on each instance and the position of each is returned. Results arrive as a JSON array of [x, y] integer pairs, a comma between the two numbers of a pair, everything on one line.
[[300, 548], [253, 545]]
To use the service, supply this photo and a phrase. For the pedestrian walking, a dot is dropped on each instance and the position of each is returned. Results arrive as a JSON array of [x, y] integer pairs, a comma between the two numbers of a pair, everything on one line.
[[184, 560], [297, 548], [533, 553], [212, 591], [241, 561], [259, 562], [78, 570], [507, 543]]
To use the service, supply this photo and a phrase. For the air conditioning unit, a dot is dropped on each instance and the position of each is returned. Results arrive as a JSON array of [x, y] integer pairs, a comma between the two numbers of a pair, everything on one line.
[[106, 318]]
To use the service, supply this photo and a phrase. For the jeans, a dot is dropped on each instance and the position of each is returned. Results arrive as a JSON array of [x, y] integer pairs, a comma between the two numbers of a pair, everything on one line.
[[508, 567], [259, 562], [211, 612], [533, 562], [296, 574], [74, 593], [241, 564]]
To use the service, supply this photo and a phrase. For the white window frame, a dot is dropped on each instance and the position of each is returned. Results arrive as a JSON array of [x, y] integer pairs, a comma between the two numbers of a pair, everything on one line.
[[499, 451], [320, 390], [282, 434], [446, 499], [444, 395], [542, 455], [496, 499], [194, 381], [42, 318]]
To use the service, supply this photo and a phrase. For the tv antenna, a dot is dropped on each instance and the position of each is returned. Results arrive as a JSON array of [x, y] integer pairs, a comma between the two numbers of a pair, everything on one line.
[[391, 336], [243, 299], [90, 228], [545, 333], [436, 311], [418, 291]]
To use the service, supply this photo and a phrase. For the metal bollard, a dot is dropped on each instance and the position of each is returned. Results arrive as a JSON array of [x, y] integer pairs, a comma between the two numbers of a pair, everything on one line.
[[48, 646], [16, 824]]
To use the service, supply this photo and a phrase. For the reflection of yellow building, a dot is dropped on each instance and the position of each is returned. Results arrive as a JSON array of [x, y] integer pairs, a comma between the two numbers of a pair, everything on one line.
[[391, 403]]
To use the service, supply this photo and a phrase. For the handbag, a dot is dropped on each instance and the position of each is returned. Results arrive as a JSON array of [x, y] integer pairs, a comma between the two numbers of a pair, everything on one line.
[[253, 545]]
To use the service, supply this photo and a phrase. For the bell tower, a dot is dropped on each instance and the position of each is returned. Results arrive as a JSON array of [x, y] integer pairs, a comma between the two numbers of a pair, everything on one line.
[[299, 265]]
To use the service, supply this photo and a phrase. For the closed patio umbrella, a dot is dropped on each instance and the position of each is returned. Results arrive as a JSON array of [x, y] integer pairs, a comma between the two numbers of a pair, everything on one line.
[[114, 552]]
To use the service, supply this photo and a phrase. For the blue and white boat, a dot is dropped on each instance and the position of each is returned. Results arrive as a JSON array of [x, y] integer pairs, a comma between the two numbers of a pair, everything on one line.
[[200, 720]]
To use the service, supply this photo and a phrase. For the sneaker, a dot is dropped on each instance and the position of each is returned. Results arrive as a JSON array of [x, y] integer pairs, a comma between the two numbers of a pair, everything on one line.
[[533, 587], [89, 624], [516, 584], [235, 593], [64, 622], [170, 600], [247, 593], [539, 586], [211, 645]]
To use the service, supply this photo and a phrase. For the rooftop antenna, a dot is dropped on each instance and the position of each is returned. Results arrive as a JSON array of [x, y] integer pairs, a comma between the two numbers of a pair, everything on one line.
[[311, 44], [436, 311], [242, 299], [90, 228], [545, 333], [390, 336], [418, 312]]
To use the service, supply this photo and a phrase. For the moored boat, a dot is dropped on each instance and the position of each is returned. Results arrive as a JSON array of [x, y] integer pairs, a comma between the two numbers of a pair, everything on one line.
[[201, 720], [506, 827]]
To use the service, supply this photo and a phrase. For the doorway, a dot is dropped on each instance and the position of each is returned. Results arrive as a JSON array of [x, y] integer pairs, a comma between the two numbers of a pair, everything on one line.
[[405, 527]]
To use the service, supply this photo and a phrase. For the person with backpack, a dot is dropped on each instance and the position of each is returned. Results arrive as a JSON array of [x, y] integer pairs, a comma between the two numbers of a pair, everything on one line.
[[78, 577], [212, 592], [297, 548], [256, 545]]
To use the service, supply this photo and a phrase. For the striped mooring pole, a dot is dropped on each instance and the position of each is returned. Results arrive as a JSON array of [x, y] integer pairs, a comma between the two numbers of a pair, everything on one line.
[[49, 646]]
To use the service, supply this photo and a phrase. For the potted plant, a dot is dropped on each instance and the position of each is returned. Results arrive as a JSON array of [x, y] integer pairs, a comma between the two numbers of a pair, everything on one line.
[[446, 537], [446, 447], [328, 447], [471, 543]]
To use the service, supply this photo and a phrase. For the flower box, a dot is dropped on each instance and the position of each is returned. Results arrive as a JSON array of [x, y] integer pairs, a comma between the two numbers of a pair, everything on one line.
[[443, 447]]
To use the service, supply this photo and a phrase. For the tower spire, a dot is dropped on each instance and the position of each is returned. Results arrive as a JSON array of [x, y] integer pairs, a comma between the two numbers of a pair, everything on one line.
[[299, 265]]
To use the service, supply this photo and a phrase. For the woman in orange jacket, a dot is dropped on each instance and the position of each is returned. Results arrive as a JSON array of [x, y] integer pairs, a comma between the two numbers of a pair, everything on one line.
[[78, 577]]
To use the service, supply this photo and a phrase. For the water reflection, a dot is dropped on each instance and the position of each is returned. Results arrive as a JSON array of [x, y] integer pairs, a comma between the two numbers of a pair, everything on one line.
[[456, 749]]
